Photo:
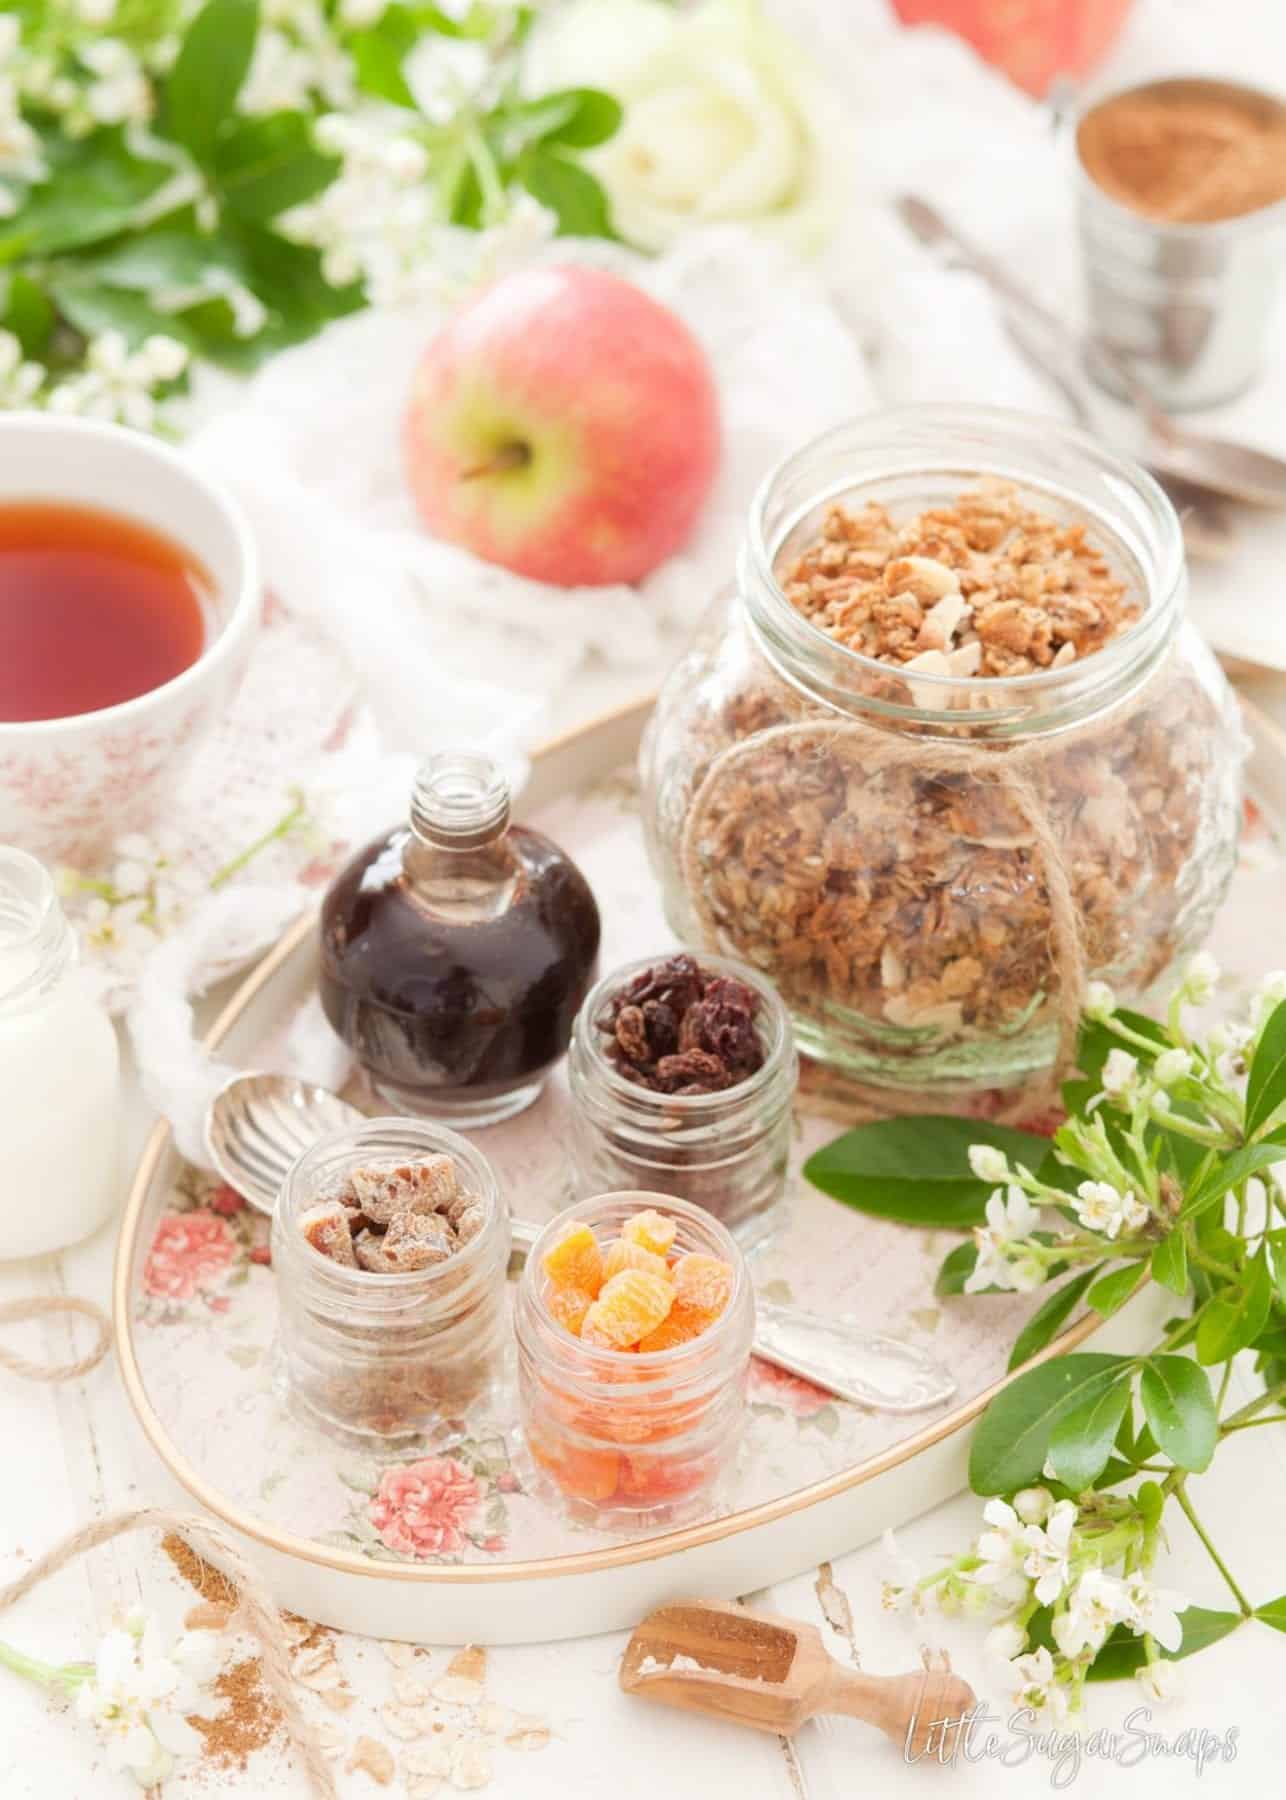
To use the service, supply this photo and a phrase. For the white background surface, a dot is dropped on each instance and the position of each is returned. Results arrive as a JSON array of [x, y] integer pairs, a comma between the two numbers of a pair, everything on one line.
[[66, 1458]]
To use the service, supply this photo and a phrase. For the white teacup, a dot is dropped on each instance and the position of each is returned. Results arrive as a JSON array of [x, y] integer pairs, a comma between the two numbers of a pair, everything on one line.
[[69, 786]]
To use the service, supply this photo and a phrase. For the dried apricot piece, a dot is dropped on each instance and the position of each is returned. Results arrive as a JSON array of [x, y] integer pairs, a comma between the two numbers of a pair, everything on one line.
[[682, 1323], [576, 1260], [629, 1306], [651, 1229], [703, 1281], [624, 1253], [569, 1305]]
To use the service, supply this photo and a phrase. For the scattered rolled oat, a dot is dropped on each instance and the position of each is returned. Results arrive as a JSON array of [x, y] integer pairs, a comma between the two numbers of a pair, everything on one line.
[[462, 1685], [470, 1767], [374, 1759]]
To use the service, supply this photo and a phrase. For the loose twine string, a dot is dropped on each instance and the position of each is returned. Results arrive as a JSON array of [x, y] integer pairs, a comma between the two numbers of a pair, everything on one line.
[[1016, 771], [255, 1610]]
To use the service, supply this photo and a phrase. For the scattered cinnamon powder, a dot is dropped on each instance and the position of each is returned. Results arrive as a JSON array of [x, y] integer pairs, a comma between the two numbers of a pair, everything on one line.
[[1192, 152], [209, 1582], [247, 1722]]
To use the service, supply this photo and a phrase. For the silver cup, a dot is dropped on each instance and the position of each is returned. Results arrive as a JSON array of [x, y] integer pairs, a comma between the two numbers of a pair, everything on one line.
[[1186, 305]]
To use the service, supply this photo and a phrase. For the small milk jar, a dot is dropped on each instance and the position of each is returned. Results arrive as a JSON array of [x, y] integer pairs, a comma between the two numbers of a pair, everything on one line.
[[59, 1073]]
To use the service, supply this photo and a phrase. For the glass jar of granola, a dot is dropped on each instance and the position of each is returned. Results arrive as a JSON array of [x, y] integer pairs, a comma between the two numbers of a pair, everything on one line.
[[641, 1422], [390, 1242], [700, 1106], [947, 751]]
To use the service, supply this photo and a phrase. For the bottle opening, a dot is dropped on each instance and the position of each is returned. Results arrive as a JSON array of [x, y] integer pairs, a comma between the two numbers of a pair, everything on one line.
[[460, 800]]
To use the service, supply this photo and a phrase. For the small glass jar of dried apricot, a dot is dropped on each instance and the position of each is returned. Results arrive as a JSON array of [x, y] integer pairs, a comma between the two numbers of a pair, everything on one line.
[[634, 1321]]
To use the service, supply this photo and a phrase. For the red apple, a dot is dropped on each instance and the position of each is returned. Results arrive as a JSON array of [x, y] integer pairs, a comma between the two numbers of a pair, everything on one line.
[[565, 426], [1031, 40]]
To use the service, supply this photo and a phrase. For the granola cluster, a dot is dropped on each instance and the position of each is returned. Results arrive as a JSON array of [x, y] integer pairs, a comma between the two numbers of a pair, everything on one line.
[[676, 1028], [392, 1220], [985, 587], [899, 903]]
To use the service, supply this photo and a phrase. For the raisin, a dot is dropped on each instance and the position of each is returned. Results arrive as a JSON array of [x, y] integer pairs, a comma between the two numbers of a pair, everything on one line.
[[693, 1071], [662, 1025], [631, 1034], [724, 1030]]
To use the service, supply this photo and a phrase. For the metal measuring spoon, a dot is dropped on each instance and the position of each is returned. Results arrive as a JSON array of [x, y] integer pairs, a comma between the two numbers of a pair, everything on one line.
[[258, 1125], [1238, 471]]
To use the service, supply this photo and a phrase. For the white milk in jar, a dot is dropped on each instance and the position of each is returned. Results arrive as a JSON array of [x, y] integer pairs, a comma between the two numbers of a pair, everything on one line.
[[59, 1074]]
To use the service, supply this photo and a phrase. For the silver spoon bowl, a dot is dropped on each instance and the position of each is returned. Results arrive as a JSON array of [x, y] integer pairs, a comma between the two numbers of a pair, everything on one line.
[[258, 1126]]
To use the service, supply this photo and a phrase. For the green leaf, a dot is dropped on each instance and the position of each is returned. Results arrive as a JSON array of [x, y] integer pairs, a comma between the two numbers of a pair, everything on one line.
[[92, 308], [1110, 1294], [264, 165], [1044, 1323], [576, 117], [288, 280], [1235, 1317], [1096, 1042], [1170, 1262], [957, 1267], [1273, 1612], [1081, 1442], [1179, 1407], [1012, 1437], [1229, 1171], [917, 1170], [1124, 1654], [570, 192], [25, 310], [1266, 1086], [378, 52], [168, 256], [201, 89], [96, 188]]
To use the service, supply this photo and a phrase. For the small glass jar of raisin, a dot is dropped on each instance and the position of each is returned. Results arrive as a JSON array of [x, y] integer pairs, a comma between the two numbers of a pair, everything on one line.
[[683, 1072]]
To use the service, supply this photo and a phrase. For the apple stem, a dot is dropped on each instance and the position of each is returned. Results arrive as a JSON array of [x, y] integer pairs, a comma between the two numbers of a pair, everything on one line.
[[511, 456]]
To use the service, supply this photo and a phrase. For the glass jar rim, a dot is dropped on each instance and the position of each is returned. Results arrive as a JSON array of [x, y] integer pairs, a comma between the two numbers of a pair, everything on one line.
[[438, 1140], [662, 1361], [1165, 582], [692, 1107]]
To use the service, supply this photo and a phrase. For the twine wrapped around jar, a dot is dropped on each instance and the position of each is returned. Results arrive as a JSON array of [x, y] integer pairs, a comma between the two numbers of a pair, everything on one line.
[[1018, 771]]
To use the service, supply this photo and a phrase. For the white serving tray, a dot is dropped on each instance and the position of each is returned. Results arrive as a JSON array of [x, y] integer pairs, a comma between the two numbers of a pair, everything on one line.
[[195, 1308]]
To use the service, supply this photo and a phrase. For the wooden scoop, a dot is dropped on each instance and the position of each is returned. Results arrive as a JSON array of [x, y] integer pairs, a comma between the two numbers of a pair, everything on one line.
[[716, 1657]]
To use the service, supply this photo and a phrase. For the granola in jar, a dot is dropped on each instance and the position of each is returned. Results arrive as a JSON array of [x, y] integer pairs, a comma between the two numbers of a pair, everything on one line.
[[949, 752]]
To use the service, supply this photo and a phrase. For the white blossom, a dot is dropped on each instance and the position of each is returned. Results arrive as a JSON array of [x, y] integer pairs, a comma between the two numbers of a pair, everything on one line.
[[362, 12], [1100, 1001], [20, 381], [1006, 1640], [1101, 1207], [1035, 1687], [900, 1593], [116, 383], [139, 1695], [1120, 1072], [1156, 1611], [121, 91], [1267, 997], [1159, 1680], [1098, 1603], [1011, 1217], [1171, 1066], [96, 12], [1200, 978], [988, 1163], [1002, 1550], [1033, 1505], [1047, 1552], [20, 158]]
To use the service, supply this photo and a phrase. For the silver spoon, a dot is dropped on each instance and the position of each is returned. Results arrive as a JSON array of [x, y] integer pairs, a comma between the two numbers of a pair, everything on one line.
[[258, 1125], [1236, 470]]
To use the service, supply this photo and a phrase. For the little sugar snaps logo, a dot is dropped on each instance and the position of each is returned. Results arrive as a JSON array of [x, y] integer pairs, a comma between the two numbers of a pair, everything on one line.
[[1025, 1739]]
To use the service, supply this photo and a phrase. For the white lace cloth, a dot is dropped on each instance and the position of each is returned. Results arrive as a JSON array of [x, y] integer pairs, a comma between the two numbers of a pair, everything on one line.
[[372, 649]]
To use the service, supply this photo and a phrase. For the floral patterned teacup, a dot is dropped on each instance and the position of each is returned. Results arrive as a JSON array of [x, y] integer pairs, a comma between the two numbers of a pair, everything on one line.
[[70, 786]]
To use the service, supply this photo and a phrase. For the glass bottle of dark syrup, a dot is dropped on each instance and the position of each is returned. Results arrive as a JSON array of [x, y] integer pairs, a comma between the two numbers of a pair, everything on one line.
[[457, 950]]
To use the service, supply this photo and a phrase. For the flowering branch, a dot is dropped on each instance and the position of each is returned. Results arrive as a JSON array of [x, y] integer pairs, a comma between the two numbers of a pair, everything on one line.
[[1163, 1170]]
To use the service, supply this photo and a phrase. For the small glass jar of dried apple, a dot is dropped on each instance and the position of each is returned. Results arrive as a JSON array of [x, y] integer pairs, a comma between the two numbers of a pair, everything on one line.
[[623, 1436], [948, 750], [386, 1329]]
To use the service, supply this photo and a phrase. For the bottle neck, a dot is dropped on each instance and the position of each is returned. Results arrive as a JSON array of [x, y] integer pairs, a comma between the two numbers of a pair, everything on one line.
[[37, 944], [459, 859]]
